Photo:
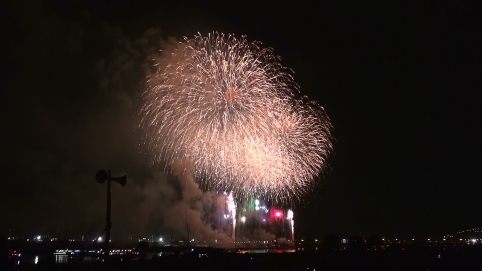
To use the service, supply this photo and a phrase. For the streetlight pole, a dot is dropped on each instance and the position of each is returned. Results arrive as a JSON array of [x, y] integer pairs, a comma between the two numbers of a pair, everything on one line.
[[108, 224], [101, 177]]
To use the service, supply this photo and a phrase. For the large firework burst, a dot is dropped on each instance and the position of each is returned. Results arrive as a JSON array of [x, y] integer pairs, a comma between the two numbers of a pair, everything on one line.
[[231, 108]]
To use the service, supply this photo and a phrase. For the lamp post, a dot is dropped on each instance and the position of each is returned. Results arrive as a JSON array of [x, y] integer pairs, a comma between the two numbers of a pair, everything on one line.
[[101, 177]]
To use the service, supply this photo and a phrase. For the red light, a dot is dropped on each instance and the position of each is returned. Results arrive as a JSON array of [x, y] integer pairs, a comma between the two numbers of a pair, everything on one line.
[[276, 213]]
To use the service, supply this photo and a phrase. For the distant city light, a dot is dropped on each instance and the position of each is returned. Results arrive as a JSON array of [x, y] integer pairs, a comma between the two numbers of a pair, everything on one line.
[[99, 239], [243, 219], [256, 202], [160, 240]]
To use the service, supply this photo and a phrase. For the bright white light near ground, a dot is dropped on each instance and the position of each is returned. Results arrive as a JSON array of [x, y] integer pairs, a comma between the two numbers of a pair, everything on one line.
[[100, 239], [243, 219], [160, 239], [36, 259], [290, 214], [256, 202]]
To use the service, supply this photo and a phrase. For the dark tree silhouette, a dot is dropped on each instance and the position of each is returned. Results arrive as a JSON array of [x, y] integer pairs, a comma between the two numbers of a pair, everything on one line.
[[330, 242], [356, 243], [374, 240], [3, 252], [142, 247]]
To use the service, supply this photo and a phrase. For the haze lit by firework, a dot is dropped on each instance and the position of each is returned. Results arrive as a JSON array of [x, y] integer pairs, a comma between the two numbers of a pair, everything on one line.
[[232, 109]]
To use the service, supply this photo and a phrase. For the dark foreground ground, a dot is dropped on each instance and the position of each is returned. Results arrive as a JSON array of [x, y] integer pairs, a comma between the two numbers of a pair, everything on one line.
[[458, 258]]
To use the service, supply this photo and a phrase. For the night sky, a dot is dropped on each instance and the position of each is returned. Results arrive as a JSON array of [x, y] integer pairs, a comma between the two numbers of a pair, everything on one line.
[[400, 83]]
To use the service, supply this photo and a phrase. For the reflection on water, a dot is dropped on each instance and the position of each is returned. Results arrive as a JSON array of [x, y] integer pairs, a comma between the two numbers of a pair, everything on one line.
[[61, 258], [35, 259]]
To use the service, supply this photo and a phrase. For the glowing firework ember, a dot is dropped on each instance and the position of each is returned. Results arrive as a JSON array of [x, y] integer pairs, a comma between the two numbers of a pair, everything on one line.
[[230, 108]]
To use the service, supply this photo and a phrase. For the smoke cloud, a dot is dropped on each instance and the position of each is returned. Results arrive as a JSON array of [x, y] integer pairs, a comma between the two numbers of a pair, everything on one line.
[[184, 209]]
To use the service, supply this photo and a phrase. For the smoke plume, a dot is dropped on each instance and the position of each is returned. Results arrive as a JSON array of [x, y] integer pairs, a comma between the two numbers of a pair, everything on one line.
[[184, 209]]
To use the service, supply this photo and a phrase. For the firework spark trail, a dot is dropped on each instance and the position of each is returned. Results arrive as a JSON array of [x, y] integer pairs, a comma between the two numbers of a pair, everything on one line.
[[231, 108]]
